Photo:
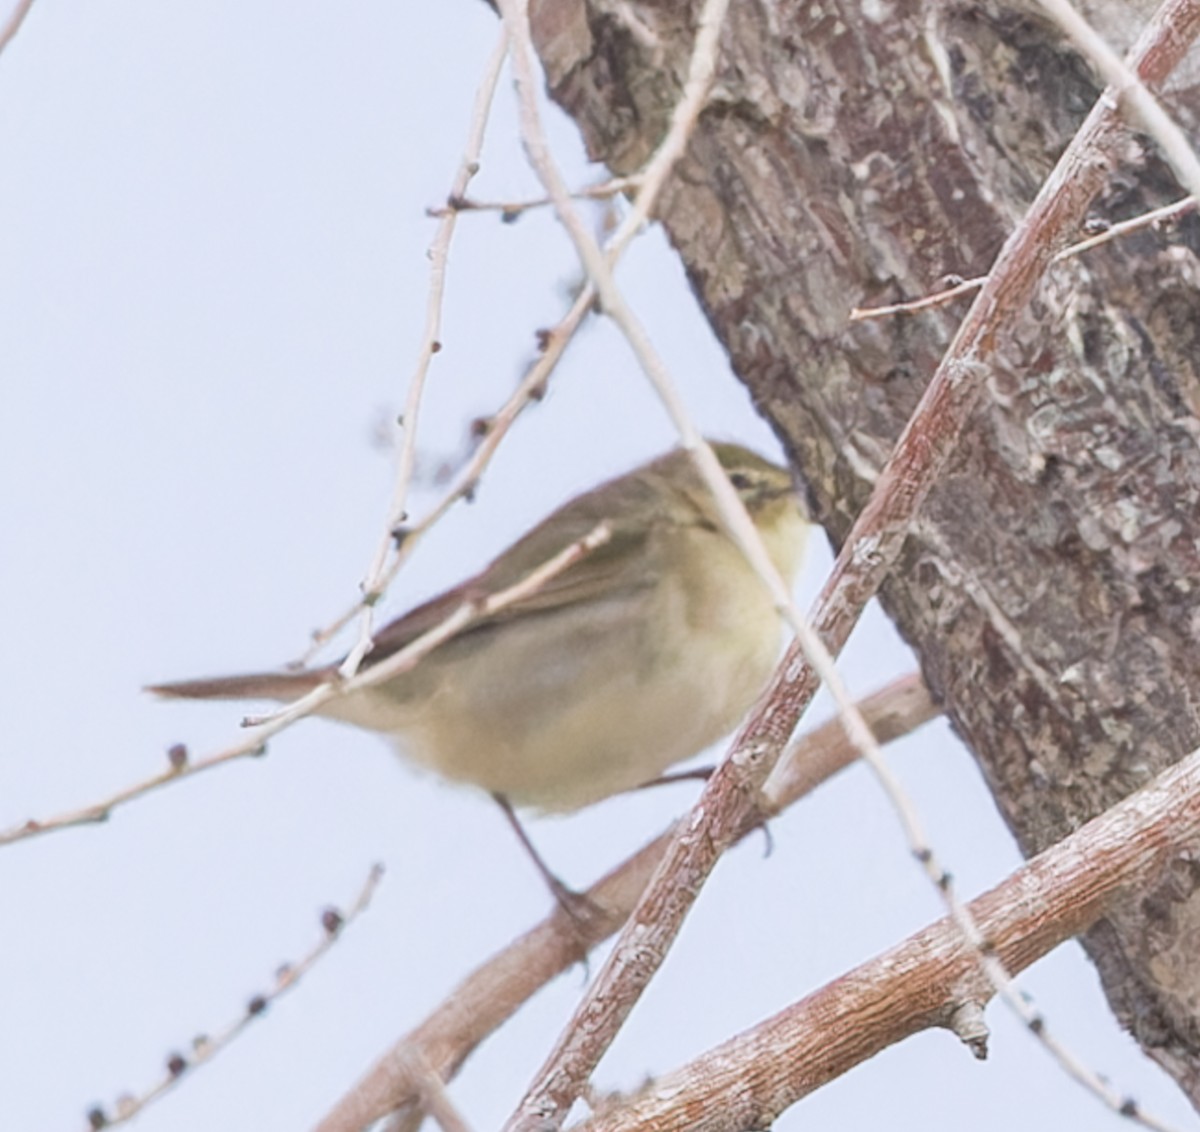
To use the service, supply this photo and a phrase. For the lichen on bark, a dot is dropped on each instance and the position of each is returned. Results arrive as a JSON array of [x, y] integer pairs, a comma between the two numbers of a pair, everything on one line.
[[857, 153]]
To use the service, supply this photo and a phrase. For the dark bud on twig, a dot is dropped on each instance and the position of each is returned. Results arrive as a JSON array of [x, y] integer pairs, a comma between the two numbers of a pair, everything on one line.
[[256, 1006], [97, 1119], [177, 755], [176, 1064], [332, 921]]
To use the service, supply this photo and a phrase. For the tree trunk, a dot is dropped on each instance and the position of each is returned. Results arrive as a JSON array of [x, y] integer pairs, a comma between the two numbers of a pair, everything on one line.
[[856, 154]]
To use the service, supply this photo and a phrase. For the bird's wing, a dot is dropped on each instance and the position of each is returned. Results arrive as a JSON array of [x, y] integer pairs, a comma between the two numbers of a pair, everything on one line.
[[627, 561], [619, 564]]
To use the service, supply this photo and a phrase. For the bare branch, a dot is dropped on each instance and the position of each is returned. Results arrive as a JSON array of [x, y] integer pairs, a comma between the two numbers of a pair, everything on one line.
[[378, 578], [489, 996], [472, 611], [746, 1082], [1127, 86], [511, 209], [10, 29], [1149, 219], [926, 302], [205, 1048], [869, 551], [266, 727], [436, 1102]]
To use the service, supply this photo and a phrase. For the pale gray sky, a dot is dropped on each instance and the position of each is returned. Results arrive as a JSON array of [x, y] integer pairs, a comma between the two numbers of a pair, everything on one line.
[[212, 281]]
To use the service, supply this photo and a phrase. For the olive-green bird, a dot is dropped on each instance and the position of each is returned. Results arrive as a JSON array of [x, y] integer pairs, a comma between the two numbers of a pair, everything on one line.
[[637, 656]]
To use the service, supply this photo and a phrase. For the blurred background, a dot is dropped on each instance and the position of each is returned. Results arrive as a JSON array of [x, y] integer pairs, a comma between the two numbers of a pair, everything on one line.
[[212, 285]]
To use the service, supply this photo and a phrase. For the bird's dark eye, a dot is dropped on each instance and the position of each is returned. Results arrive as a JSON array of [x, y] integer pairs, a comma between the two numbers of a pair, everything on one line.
[[741, 481]]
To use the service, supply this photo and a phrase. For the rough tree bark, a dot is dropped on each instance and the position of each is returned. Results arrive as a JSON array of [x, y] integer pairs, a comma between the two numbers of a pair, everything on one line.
[[856, 152]]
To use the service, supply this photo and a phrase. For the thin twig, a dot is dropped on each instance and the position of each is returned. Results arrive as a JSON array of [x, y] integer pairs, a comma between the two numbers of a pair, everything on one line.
[[511, 209], [207, 1047], [622, 979], [554, 342], [620, 982], [733, 512], [490, 995], [748, 1080], [870, 550], [376, 580], [1134, 224], [1112, 232], [531, 388], [10, 29], [1126, 86], [477, 609], [265, 727], [926, 302]]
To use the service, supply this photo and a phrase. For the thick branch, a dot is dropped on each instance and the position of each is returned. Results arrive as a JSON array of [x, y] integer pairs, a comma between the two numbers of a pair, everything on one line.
[[1049, 581], [746, 1082], [868, 554], [491, 994]]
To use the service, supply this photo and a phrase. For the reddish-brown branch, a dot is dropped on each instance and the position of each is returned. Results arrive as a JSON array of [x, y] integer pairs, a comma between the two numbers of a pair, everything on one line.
[[868, 553], [489, 996], [746, 1082]]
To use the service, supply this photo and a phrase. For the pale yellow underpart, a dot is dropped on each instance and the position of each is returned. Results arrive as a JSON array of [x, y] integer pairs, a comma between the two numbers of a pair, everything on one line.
[[563, 709]]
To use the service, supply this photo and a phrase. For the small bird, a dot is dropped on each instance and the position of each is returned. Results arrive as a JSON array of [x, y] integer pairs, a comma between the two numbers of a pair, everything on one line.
[[636, 657]]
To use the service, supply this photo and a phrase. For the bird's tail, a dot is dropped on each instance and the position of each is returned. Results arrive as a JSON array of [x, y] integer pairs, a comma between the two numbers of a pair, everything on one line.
[[280, 686]]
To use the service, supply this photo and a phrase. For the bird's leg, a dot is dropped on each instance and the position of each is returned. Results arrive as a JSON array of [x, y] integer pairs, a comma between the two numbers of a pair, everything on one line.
[[699, 774], [580, 910]]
